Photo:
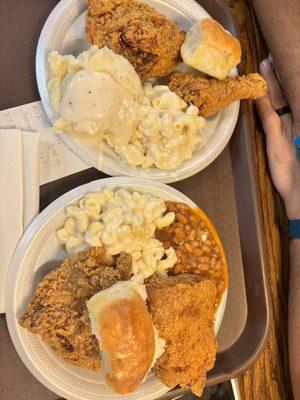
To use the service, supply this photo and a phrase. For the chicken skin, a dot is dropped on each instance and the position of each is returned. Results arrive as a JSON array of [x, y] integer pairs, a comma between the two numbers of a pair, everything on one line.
[[136, 31], [58, 312], [211, 95], [183, 311]]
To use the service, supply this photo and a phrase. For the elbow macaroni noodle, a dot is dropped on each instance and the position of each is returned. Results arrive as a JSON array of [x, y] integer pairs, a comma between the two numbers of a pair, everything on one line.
[[166, 130], [120, 221]]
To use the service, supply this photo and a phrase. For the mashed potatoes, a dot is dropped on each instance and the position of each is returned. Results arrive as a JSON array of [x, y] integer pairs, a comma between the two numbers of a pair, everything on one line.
[[94, 93], [100, 94]]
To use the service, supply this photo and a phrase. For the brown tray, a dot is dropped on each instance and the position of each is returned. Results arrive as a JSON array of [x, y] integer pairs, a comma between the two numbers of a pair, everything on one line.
[[227, 191]]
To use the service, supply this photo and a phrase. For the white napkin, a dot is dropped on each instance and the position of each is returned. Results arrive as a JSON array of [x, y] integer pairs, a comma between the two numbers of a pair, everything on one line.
[[19, 196]]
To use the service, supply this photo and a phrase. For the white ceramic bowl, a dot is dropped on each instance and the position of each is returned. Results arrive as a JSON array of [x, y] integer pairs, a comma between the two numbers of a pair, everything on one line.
[[36, 255], [65, 31]]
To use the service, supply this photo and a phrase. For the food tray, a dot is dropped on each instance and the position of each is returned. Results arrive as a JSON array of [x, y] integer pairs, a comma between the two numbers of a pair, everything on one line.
[[227, 191]]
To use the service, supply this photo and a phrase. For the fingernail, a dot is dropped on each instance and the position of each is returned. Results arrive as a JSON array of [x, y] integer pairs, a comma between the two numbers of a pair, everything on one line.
[[265, 65], [270, 58]]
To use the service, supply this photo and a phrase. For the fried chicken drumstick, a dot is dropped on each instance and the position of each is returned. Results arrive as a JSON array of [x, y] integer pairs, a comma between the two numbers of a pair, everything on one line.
[[145, 37], [211, 95], [183, 311]]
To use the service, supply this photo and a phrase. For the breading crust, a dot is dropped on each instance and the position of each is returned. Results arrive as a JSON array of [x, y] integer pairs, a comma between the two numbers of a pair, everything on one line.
[[137, 31], [211, 95], [58, 312], [183, 311]]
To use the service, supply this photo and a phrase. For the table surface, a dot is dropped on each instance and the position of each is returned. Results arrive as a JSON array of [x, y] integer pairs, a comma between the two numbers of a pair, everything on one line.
[[269, 377]]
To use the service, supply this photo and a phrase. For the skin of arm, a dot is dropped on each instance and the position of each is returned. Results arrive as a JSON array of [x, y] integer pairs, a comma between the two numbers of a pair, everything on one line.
[[279, 21], [285, 172], [294, 316]]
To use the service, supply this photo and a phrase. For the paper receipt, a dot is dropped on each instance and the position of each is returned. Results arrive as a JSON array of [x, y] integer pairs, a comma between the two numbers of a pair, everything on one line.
[[56, 159]]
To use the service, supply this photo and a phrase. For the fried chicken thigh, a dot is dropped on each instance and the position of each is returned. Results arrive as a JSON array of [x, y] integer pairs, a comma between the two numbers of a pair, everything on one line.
[[135, 30], [183, 312], [211, 95], [58, 312]]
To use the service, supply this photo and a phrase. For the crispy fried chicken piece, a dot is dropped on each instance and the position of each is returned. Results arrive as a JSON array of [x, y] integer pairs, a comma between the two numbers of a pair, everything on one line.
[[58, 312], [183, 310], [211, 95], [135, 30]]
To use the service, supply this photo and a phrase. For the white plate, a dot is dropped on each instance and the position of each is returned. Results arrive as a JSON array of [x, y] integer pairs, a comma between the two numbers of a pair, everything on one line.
[[64, 31], [36, 255]]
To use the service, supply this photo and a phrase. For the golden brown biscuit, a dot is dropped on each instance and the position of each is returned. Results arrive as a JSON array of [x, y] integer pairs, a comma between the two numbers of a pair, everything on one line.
[[124, 328], [211, 49]]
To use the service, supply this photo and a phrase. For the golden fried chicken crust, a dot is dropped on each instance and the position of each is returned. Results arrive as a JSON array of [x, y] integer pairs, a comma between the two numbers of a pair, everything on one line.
[[58, 312], [183, 312], [211, 95], [135, 30]]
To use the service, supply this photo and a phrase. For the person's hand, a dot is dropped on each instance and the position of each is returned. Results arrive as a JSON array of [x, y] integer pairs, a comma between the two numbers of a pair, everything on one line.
[[283, 162]]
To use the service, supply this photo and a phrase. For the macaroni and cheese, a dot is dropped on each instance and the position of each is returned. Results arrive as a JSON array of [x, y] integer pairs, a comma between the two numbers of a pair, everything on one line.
[[167, 131], [99, 94], [120, 221]]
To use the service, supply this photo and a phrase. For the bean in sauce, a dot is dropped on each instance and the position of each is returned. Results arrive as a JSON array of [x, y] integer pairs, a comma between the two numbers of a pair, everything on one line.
[[195, 245]]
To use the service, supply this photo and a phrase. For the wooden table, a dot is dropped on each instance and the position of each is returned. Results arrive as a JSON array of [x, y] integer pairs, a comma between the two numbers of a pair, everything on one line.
[[269, 377]]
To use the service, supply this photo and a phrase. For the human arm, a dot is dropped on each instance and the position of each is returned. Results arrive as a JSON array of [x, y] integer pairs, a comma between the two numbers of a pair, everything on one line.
[[294, 316], [280, 23], [285, 172]]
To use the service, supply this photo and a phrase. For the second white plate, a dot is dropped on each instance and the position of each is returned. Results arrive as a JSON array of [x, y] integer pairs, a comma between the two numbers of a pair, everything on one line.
[[64, 31], [36, 255]]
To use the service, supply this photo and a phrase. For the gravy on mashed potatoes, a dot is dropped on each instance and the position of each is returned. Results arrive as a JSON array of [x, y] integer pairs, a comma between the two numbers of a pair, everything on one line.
[[99, 94]]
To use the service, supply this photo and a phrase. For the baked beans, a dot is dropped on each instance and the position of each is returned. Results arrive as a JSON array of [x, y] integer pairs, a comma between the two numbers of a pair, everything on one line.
[[195, 246]]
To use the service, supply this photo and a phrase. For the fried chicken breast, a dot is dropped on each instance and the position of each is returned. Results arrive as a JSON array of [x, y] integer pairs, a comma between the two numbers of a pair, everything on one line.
[[58, 312], [183, 312], [211, 95], [138, 32]]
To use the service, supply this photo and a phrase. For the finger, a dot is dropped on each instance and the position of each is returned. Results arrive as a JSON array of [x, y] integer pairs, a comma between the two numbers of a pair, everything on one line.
[[269, 118], [280, 147], [278, 134], [275, 92], [286, 119], [270, 58]]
